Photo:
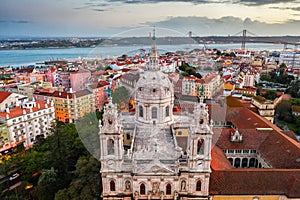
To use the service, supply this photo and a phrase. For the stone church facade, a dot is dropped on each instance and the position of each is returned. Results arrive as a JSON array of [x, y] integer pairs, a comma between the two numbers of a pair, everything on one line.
[[158, 164]]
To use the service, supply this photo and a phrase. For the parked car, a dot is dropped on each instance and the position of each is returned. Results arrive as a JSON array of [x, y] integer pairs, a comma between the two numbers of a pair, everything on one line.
[[14, 176]]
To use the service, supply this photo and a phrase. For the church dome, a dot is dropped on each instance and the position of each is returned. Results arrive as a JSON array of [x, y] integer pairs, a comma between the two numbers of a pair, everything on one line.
[[153, 85]]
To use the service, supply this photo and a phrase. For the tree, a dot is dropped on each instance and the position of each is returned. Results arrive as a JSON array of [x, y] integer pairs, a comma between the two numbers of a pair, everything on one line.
[[270, 94], [184, 74], [87, 181], [47, 184], [88, 130], [294, 89], [283, 111], [120, 95]]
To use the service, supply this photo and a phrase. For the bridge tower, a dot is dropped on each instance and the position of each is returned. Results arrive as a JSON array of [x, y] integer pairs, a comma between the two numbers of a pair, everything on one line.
[[244, 39]]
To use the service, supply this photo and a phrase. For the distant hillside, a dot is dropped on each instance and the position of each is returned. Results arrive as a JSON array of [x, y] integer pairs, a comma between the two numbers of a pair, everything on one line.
[[92, 42]]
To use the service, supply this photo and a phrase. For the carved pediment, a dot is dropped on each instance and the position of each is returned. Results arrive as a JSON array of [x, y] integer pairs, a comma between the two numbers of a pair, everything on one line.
[[156, 169]]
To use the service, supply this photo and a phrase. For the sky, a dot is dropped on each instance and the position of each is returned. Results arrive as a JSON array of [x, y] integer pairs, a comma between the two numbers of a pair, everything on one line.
[[122, 18]]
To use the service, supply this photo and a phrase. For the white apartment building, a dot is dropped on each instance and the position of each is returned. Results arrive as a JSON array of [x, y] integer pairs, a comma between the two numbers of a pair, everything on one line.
[[290, 58], [27, 121]]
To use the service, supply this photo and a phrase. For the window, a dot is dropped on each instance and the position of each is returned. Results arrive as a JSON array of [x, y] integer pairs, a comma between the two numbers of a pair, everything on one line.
[[200, 146], [110, 147], [142, 189], [198, 186], [201, 121], [112, 185], [141, 111], [127, 136], [179, 132], [154, 113], [167, 111], [237, 162], [168, 189]]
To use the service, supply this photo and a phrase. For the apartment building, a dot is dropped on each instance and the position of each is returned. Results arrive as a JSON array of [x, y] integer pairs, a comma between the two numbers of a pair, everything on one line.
[[265, 107], [24, 123], [69, 106]]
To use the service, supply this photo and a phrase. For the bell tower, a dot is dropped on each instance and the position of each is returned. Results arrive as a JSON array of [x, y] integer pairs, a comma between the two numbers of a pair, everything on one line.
[[111, 139], [199, 149]]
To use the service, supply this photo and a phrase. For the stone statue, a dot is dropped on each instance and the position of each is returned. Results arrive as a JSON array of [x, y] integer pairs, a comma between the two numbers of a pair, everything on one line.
[[155, 188], [183, 185], [127, 185], [175, 195]]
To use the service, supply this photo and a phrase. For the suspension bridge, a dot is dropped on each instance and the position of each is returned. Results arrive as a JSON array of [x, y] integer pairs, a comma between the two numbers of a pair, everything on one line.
[[246, 36]]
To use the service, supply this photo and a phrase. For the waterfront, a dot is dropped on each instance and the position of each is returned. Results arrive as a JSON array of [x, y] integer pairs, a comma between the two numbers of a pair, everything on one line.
[[18, 58]]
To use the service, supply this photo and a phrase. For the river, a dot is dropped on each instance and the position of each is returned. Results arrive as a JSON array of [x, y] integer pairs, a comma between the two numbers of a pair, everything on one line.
[[18, 58]]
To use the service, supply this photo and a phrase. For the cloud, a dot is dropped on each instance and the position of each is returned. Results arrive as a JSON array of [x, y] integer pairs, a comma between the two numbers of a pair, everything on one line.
[[244, 2], [203, 26], [264, 2], [20, 22], [15, 21], [170, 1], [99, 10], [286, 8]]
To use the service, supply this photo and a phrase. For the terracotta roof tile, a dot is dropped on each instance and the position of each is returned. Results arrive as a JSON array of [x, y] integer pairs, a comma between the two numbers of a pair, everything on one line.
[[4, 95], [18, 111], [255, 182], [219, 160]]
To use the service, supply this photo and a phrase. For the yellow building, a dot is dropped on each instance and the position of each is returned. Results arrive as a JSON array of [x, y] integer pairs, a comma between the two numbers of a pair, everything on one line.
[[69, 106], [28, 89], [265, 107]]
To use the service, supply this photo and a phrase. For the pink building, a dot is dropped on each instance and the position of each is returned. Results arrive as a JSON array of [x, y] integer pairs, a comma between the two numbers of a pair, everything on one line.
[[72, 79]]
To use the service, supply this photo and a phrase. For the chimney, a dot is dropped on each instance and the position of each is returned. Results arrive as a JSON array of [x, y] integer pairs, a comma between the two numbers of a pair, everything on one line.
[[7, 110], [39, 106]]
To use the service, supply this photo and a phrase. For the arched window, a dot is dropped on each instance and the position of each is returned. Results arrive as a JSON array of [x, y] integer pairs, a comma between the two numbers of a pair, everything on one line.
[[252, 162], [112, 185], [110, 147], [154, 113], [200, 146], [244, 162], [237, 162], [142, 189], [167, 111], [230, 160], [198, 185], [141, 111], [168, 189], [201, 121]]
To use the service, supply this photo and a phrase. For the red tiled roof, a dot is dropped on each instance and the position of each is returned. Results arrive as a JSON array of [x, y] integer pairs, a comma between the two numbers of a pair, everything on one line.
[[65, 95], [103, 83], [270, 143], [26, 70], [4, 95], [255, 182], [219, 160], [18, 111]]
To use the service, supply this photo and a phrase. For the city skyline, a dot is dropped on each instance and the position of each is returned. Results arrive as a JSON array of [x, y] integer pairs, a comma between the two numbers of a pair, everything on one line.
[[117, 18]]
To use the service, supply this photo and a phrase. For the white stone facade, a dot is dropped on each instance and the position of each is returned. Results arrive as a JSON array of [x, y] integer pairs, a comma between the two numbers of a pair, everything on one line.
[[155, 166]]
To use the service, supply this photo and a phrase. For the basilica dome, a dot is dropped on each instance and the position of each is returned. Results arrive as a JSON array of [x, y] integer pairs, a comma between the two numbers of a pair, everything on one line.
[[154, 85]]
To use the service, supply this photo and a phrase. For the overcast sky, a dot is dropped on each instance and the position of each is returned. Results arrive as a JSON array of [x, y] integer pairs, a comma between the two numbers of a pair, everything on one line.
[[137, 17]]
